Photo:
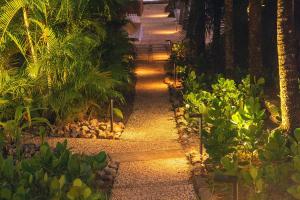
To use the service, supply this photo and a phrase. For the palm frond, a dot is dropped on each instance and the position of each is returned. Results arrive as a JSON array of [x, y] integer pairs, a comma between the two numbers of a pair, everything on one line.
[[7, 13]]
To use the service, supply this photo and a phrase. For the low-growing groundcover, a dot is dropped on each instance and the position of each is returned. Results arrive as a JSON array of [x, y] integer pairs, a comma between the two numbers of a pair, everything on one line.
[[52, 174]]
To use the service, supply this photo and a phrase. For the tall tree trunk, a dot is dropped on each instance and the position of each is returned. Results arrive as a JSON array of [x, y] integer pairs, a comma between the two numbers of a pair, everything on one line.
[[191, 22], [286, 45], [216, 40], [200, 27], [196, 27], [255, 52], [229, 54], [26, 24], [182, 11]]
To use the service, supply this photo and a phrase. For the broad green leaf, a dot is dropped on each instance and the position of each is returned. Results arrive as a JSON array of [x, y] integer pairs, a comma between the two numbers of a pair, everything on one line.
[[62, 181], [87, 192], [46, 177], [253, 172], [296, 162], [297, 134], [3, 101], [55, 185], [118, 113], [73, 193], [294, 191], [77, 182], [101, 157]]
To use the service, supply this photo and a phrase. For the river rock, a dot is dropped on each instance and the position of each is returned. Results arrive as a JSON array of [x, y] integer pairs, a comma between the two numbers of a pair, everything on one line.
[[179, 111], [87, 135], [94, 122], [101, 134], [100, 183], [118, 128], [117, 135], [75, 134], [85, 128], [110, 171], [103, 126], [107, 177]]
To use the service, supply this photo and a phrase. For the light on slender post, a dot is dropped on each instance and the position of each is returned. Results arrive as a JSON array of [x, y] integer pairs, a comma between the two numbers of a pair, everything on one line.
[[170, 45], [175, 74], [200, 124], [111, 115]]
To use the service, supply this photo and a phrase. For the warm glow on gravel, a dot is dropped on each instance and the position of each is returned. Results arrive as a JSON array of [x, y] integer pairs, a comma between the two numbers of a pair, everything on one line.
[[165, 32], [147, 72], [157, 15], [160, 56], [152, 86]]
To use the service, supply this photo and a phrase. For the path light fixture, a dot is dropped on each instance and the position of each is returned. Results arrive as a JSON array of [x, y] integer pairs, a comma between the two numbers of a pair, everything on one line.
[[111, 115], [200, 125], [169, 45], [175, 74], [177, 16]]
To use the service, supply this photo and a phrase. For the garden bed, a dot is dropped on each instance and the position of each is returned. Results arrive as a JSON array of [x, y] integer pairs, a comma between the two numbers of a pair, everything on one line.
[[93, 128], [42, 172]]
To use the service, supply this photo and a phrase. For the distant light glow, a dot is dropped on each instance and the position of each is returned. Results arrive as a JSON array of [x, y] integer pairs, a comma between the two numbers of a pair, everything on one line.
[[165, 32], [160, 56], [157, 16], [152, 86], [147, 71]]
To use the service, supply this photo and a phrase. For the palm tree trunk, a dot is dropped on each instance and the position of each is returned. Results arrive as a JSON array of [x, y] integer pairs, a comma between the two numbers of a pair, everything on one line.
[[255, 52], [286, 45], [200, 28], [191, 21], [196, 26], [26, 24], [229, 54], [216, 40]]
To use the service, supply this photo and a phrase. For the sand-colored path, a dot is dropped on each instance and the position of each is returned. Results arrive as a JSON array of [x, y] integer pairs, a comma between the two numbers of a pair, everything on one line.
[[162, 173]]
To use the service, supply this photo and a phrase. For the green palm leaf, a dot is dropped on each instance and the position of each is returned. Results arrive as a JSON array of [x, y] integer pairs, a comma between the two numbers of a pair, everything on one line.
[[7, 13]]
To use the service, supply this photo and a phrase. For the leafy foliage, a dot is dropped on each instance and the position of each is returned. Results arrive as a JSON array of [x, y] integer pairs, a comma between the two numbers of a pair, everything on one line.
[[57, 174], [64, 57]]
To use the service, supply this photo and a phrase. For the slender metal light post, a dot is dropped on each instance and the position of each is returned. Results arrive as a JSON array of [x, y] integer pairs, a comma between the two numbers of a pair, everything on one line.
[[175, 74], [111, 115], [200, 124], [200, 135], [174, 64], [170, 45]]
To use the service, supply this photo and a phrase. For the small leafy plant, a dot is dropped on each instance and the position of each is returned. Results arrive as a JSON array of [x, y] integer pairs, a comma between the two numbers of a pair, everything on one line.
[[52, 174]]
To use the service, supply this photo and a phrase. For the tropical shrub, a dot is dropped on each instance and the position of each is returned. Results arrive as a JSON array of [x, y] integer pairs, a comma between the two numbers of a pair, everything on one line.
[[232, 112], [265, 162], [66, 59], [52, 174]]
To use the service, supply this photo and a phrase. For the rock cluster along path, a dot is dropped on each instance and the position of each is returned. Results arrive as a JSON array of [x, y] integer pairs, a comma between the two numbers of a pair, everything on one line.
[[161, 173], [152, 162]]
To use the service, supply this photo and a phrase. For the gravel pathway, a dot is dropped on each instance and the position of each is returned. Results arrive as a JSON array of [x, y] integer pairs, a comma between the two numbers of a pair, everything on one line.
[[164, 172]]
